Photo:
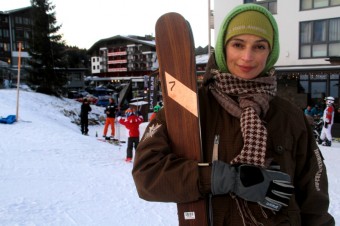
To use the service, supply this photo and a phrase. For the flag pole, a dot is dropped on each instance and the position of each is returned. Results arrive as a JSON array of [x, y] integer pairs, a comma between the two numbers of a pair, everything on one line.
[[18, 81]]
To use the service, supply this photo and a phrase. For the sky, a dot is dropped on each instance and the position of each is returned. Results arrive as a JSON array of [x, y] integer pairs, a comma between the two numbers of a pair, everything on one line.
[[51, 175], [86, 22]]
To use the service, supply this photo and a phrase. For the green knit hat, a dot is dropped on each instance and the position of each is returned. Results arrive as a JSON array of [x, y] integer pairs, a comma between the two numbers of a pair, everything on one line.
[[231, 27], [250, 22]]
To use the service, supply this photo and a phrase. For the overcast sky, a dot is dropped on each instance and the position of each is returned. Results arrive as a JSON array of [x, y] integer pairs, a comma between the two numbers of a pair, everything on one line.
[[86, 22]]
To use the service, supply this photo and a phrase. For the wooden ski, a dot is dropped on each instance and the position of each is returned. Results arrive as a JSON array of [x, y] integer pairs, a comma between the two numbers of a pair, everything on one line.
[[177, 69]]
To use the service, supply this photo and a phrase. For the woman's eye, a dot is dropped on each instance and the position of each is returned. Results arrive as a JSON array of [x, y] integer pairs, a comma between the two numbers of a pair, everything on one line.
[[237, 45], [261, 47]]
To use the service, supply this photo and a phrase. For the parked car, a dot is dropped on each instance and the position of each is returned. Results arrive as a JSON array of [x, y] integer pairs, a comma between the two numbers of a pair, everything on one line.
[[101, 91], [91, 99], [103, 101], [73, 94]]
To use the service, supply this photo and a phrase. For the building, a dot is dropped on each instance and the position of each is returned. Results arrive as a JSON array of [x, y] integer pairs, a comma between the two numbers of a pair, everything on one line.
[[15, 27], [123, 58], [308, 68]]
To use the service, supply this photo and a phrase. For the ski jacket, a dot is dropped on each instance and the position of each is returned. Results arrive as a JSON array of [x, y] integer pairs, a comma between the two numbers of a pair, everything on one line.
[[84, 111], [328, 115], [111, 110], [132, 124], [162, 176]]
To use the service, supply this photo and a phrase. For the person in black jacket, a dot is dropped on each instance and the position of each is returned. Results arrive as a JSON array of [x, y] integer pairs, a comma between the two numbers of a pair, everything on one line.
[[84, 120], [110, 112]]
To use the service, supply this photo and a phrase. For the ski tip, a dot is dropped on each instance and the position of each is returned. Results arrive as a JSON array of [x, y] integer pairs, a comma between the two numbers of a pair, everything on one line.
[[169, 18]]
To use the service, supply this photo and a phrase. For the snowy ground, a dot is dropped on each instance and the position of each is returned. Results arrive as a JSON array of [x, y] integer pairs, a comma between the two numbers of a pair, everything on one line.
[[52, 175]]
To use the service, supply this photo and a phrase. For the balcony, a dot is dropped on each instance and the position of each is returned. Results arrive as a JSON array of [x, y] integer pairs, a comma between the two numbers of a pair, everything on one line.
[[117, 69], [121, 53], [117, 62]]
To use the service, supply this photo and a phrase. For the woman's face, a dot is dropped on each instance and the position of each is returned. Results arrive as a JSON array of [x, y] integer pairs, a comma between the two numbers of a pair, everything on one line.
[[247, 55]]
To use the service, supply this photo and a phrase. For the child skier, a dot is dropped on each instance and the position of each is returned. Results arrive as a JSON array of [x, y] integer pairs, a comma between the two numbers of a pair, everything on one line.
[[131, 122]]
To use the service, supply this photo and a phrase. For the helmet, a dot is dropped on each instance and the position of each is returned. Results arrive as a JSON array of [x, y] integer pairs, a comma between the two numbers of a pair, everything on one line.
[[156, 108], [128, 112], [329, 100]]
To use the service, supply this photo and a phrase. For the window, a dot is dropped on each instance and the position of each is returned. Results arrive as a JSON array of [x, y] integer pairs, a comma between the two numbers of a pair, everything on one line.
[[271, 5], [314, 4], [6, 47], [319, 85], [5, 33], [335, 2], [320, 38], [334, 85], [18, 20], [26, 21], [27, 34], [318, 89]]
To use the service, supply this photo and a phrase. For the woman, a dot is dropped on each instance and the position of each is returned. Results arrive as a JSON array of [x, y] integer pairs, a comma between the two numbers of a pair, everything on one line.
[[268, 169]]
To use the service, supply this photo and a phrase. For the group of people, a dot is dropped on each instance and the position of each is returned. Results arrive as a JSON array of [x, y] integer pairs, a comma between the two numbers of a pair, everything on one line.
[[329, 115], [130, 119], [314, 112]]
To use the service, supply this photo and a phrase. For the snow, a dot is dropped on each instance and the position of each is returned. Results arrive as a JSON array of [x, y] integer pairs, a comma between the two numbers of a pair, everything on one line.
[[50, 174]]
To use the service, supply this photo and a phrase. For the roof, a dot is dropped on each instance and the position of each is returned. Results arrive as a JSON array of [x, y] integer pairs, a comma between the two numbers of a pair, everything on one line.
[[307, 67], [202, 59], [135, 39], [16, 10], [138, 103]]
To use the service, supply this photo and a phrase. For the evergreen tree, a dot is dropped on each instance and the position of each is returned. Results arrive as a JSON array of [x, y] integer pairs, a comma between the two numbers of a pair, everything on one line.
[[76, 58], [46, 49]]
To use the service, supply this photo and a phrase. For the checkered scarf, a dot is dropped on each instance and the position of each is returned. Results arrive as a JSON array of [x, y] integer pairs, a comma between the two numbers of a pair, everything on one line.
[[252, 103]]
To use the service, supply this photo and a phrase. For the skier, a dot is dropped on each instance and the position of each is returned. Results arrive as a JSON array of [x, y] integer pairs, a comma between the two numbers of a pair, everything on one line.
[[131, 122], [262, 164], [110, 112], [84, 112], [328, 118]]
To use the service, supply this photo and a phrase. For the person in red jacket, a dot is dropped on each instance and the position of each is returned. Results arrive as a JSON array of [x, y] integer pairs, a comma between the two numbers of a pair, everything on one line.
[[131, 122]]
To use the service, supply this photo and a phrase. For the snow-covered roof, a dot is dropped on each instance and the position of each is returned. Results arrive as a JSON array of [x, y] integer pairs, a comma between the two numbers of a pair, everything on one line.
[[135, 39], [139, 103], [202, 59]]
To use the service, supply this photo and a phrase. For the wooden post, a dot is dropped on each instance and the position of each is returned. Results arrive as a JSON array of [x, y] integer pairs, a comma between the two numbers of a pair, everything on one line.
[[18, 81]]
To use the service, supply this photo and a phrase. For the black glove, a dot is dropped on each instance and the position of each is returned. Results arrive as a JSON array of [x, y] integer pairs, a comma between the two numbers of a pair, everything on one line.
[[270, 188], [326, 125]]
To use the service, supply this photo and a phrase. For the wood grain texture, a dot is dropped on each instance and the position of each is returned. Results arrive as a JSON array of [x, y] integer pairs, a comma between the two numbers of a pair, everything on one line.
[[176, 57]]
